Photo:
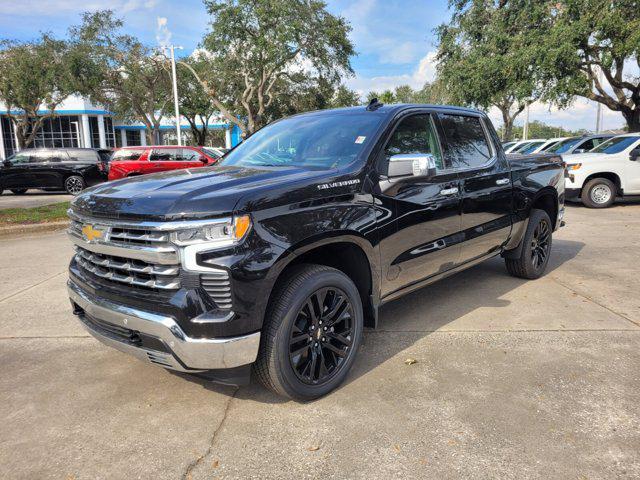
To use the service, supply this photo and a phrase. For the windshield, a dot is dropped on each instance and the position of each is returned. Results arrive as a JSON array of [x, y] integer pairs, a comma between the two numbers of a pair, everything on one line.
[[564, 145], [531, 147], [320, 141], [615, 145]]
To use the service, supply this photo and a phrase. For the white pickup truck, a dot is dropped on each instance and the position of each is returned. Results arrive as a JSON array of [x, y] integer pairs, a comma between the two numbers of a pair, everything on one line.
[[610, 170]]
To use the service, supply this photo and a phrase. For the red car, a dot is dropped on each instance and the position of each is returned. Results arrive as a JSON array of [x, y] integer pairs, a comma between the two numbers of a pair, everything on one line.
[[131, 161]]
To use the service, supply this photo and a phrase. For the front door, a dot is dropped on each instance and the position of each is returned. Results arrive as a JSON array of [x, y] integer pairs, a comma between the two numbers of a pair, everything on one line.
[[485, 183], [16, 172], [422, 229]]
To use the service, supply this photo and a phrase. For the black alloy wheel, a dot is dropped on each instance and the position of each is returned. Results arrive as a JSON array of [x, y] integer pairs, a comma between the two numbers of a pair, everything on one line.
[[540, 244], [321, 336]]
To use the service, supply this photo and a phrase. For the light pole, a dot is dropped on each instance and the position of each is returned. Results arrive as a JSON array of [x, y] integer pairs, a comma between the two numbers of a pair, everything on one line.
[[171, 49]]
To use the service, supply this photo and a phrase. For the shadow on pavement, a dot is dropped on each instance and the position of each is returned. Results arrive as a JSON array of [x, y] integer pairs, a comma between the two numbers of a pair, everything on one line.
[[423, 312]]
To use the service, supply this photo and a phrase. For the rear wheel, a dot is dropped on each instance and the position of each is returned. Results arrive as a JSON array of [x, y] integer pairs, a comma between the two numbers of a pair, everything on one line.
[[599, 193], [74, 184], [18, 191], [311, 334], [536, 248]]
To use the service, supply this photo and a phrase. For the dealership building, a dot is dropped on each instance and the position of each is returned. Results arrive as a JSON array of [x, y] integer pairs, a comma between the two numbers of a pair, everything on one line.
[[79, 123]]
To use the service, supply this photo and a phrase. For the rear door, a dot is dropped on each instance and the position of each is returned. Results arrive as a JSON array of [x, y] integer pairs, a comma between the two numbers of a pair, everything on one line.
[[421, 228], [46, 166], [485, 183]]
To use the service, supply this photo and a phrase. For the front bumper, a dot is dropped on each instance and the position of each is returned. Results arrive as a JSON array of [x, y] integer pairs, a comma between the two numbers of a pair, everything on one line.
[[157, 338]]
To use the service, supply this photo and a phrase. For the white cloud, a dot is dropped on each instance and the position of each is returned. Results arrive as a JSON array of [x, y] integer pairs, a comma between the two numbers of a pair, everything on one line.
[[423, 72], [61, 7], [163, 34]]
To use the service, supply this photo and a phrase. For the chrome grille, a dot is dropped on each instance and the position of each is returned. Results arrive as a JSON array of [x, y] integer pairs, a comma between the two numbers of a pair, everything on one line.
[[218, 286], [129, 271]]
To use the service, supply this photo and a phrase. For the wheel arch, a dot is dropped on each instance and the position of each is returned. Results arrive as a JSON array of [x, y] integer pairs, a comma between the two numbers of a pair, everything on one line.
[[613, 177], [547, 199], [351, 254]]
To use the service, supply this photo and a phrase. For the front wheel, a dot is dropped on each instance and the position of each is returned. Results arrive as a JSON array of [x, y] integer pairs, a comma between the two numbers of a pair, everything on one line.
[[599, 193], [74, 185], [311, 334], [536, 248]]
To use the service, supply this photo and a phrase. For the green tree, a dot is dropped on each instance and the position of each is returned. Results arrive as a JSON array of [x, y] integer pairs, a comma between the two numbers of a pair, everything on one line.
[[195, 105], [116, 70], [255, 48], [33, 76], [588, 37], [345, 97], [486, 54]]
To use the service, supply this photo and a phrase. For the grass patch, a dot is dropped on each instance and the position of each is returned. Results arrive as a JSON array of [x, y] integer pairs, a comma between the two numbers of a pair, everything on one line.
[[26, 216]]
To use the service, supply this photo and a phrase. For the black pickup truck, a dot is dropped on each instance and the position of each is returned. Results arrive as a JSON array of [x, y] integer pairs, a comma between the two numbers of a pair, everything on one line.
[[276, 259]]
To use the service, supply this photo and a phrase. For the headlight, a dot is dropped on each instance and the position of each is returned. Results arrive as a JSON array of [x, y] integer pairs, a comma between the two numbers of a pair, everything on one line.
[[573, 166], [221, 233]]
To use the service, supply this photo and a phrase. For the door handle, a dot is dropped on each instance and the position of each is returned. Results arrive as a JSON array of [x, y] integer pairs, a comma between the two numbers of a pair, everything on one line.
[[502, 181], [449, 191]]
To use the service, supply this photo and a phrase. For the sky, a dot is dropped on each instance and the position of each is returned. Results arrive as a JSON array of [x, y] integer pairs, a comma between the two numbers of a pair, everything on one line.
[[394, 40]]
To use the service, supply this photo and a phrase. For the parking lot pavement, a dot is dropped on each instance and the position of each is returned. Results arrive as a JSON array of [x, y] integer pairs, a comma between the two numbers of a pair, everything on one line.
[[513, 379], [33, 198]]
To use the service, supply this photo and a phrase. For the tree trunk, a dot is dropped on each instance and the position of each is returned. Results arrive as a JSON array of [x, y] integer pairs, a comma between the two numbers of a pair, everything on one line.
[[507, 124], [633, 120]]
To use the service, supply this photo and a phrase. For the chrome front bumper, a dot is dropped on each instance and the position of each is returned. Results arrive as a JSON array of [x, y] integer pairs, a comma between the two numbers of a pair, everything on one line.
[[183, 353]]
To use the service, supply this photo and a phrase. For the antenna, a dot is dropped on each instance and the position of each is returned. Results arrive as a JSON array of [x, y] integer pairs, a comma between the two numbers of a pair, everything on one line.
[[374, 104]]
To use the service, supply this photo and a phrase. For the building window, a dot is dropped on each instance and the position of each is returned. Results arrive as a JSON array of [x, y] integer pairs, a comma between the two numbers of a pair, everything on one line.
[[8, 136], [95, 132], [58, 132], [109, 132], [133, 138]]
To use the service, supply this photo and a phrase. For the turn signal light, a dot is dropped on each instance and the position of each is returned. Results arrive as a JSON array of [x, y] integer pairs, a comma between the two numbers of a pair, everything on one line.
[[241, 226]]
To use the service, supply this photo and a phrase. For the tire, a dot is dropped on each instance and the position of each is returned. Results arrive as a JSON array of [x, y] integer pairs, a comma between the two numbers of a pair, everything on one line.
[[537, 242], [599, 193], [19, 191], [315, 369], [74, 185]]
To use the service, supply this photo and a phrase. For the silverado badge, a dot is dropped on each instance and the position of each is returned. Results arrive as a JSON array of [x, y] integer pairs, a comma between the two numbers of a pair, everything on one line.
[[92, 233]]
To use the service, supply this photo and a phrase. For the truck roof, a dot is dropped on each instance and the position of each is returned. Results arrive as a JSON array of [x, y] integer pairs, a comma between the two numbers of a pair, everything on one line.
[[395, 108]]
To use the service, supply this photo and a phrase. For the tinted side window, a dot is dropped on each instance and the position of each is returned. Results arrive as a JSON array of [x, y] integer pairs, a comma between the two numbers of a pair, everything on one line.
[[85, 156], [187, 155], [467, 144], [40, 156], [588, 145], [415, 134], [163, 155]]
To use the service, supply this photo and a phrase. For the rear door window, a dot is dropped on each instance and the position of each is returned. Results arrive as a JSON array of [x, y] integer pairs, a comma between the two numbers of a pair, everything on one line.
[[84, 156], [164, 155], [466, 140], [127, 154]]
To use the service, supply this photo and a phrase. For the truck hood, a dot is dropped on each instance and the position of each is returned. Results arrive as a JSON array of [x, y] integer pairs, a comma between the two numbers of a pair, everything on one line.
[[192, 193]]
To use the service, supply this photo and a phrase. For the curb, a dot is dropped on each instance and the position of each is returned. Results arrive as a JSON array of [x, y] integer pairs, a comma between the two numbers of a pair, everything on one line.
[[21, 230]]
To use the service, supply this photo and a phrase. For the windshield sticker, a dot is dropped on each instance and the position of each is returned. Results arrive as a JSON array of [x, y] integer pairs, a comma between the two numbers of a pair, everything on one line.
[[344, 183], [360, 140]]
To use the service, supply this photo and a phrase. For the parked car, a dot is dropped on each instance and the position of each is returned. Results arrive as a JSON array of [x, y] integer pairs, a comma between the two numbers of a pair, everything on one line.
[[610, 170], [279, 256], [217, 152], [70, 169], [548, 144], [530, 147], [133, 161], [521, 145], [574, 145]]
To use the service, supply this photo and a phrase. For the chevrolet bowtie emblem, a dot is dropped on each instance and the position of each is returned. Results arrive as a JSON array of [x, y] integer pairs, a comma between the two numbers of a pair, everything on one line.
[[91, 233]]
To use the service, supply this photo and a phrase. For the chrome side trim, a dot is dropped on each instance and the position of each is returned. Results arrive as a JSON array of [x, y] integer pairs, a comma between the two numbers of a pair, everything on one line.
[[193, 353]]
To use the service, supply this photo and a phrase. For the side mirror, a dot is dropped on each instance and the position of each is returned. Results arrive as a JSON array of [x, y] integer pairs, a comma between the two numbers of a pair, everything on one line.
[[204, 159], [579, 150], [634, 154], [416, 165]]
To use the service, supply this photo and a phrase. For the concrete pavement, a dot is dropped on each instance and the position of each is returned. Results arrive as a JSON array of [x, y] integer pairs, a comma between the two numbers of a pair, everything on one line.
[[513, 379], [32, 198]]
